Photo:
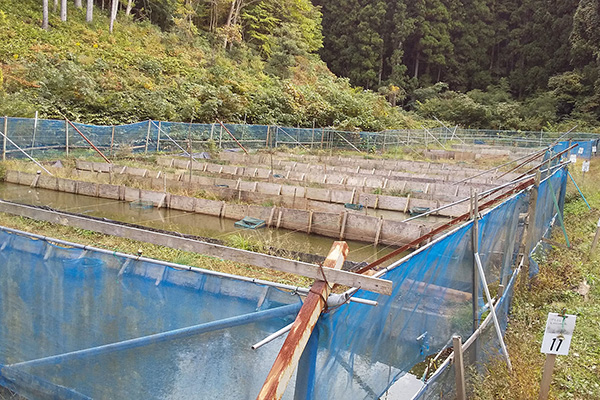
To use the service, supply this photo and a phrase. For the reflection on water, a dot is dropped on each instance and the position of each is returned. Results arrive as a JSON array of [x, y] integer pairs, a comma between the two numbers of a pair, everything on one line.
[[184, 222]]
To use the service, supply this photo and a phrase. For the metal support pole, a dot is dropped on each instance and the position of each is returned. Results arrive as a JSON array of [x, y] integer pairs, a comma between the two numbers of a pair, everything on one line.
[[147, 137], [533, 196], [66, 137], [158, 137], [112, 140], [579, 190], [4, 140], [27, 155], [35, 122], [475, 277], [492, 311], [559, 213]]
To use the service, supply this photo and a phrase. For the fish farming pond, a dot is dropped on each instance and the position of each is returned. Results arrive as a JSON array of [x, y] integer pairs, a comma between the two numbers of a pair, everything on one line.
[[185, 222]]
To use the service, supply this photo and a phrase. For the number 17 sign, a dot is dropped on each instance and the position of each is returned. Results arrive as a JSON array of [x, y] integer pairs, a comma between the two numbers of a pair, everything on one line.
[[558, 335]]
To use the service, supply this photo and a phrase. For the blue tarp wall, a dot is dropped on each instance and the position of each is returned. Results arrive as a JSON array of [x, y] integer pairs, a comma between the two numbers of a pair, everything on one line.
[[77, 323]]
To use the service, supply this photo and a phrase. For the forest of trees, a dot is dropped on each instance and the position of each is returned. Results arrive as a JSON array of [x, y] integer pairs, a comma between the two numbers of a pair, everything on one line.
[[501, 64], [521, 49]]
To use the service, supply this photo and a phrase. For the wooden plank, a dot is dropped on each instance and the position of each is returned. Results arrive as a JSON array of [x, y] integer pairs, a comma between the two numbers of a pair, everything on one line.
[[223, 252], [289, 355]]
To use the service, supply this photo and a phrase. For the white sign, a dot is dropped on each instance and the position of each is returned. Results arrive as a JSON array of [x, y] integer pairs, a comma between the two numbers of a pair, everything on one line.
[[573, 158], [594, 149], [558, 335], [580, 151], [585, 166]]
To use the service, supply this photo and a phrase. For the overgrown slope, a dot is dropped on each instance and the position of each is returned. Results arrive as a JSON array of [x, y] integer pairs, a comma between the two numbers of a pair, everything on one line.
[[140, 72]]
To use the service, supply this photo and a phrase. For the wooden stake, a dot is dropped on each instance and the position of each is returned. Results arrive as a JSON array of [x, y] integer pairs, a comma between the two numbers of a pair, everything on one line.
[[459, 368], [289, 355], [547, 376]]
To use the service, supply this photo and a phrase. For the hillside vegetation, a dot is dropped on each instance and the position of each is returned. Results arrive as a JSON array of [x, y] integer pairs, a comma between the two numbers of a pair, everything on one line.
[[176, 72]]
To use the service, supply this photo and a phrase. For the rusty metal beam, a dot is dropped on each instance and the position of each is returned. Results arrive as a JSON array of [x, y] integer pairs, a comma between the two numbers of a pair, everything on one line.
[[307, 318], [442, 228], [231, 134]]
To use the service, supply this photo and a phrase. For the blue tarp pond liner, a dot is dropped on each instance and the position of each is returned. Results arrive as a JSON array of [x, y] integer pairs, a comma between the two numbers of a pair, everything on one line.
[[250, 223], [418, 210], [353, 206], [142, 204]]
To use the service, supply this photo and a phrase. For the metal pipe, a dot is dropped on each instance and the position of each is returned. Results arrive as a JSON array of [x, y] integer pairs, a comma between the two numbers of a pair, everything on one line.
[[294, 289], [492, 311], [272, 337], [517, 159], [231, 134], [27, 155], [88, 140], [482, 194], [225, 323], [579, 190], [171, 139]]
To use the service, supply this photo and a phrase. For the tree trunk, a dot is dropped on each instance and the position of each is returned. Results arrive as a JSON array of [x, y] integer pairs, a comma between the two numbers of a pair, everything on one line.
[[89, 14], [129, 7], [45, 14], [417, 67], [78, 4], [113, 14], [55, 7], [229, 21], [63, 10]]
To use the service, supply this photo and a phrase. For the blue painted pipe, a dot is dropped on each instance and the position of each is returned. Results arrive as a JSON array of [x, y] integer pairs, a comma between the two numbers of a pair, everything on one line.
[[164, 336]]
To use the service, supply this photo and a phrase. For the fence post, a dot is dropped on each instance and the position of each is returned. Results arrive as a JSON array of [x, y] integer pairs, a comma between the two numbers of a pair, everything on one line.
[[312, 139], [4, 140], [112, 140], [147, 137], [158, 137], [221, 137], [66, 137], [531, 223], [475, 231], [459, 368]]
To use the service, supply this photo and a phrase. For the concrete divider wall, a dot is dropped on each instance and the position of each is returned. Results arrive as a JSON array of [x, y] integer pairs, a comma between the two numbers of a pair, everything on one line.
[[107, 191], [47, 182], [287, 199], [131, 194], [399, 232], [235, 211], [87, 188], [390, 182], [155, 197], [182, 203], [210, 207], [318, 194], [357, 226]]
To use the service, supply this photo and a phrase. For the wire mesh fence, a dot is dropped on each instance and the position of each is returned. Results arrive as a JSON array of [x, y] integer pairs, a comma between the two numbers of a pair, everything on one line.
[[41, 136]]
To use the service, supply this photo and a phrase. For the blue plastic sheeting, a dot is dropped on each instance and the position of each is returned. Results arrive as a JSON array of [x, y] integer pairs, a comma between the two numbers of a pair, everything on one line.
[[584, 148], [78, 324], [177, 333], [363, 350]]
